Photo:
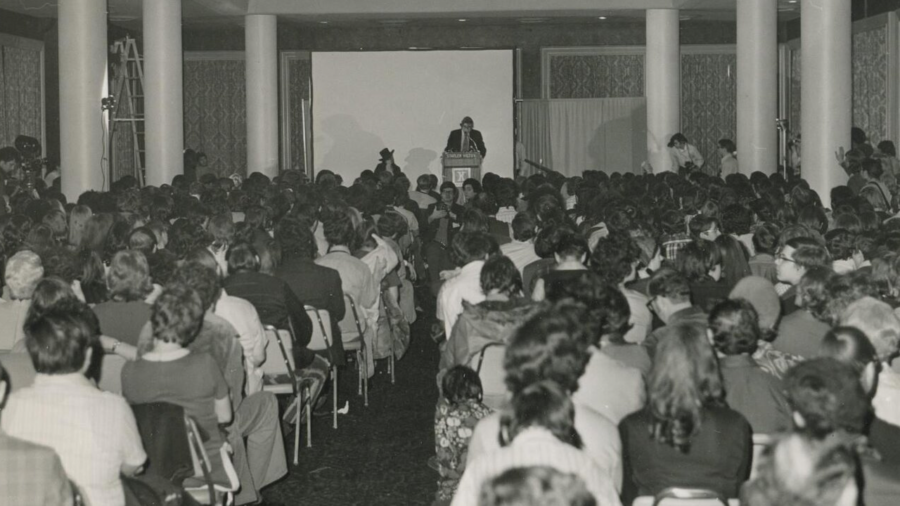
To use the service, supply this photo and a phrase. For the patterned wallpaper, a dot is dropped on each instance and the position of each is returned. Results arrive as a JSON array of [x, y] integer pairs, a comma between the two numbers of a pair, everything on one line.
[[299, 76], [20, 94], [870, 82], [708, 101], [215, 114], [596, 76]]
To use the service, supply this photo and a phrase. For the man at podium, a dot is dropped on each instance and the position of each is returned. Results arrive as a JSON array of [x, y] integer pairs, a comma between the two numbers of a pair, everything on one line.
[[466, 139]]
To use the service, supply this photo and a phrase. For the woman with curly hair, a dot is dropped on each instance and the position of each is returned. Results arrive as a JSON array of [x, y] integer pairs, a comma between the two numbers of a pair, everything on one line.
[[695, 441]]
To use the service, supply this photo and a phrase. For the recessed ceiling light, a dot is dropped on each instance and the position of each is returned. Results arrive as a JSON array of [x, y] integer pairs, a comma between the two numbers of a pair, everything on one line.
[[792, 1], [602, 17], [462, 20], [323, 22]]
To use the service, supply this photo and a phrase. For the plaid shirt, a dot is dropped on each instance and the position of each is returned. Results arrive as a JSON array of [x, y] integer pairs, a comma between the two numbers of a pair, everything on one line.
[[672, 244], [31, 474]]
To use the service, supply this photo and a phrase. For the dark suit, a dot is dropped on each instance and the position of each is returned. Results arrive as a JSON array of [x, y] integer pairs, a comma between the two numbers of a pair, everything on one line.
[[454, 142], [319, 287]]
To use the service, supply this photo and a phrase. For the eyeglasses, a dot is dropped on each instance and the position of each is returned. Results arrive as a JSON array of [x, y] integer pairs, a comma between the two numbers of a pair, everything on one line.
[[650, 303], [785, 259]]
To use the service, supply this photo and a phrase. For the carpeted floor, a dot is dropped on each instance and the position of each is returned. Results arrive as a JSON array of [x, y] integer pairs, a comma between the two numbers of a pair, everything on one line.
[[378, 454]]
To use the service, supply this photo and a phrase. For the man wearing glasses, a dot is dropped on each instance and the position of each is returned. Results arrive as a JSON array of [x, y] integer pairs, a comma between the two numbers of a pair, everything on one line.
[[792, 261], [466, 139]]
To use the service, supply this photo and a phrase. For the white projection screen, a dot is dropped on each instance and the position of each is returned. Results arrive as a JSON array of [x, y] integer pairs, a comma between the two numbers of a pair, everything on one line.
[[409, 101]]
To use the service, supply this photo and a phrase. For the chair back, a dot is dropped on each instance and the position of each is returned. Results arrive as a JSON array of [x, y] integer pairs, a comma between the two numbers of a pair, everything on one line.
[[19, 368], [163, 433], [321, 338], [354, 322], [111, 373], [489, 366], [674, 496], [760, 443], [279, 352]]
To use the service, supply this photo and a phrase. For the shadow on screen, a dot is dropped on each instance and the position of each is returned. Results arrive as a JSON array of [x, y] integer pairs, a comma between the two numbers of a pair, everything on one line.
[[418, 162], [352, 148]]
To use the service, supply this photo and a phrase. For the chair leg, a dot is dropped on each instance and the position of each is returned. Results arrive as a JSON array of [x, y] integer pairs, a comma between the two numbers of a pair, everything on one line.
[[334, 393], [361, 368], [365, 353], [391, 363], [297, 427], [309, 415]]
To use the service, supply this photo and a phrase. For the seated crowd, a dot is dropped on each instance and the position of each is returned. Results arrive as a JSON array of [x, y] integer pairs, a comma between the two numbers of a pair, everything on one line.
[[602, 337]]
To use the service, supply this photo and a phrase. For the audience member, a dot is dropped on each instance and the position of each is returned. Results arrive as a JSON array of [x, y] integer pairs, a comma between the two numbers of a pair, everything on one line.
[[695, 441]]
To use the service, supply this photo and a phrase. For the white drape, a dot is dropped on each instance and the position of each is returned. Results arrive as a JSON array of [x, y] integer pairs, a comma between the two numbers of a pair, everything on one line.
[[574, 135]]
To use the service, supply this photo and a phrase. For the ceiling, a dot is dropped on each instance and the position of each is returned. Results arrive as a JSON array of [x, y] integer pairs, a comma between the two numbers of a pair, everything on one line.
[[417, 12]]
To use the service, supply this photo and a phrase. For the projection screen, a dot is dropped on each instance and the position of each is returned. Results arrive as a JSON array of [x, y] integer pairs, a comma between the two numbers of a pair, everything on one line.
[[409, 101]]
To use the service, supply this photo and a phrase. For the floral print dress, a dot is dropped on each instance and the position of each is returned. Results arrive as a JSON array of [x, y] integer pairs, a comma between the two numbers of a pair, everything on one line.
[[453, 426]]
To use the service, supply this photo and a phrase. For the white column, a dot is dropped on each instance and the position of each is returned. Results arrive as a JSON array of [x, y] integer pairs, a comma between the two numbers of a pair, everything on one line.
[[825, 119], [262, 93], [82, 84], [662, 84], [757, 85], [163, 94]]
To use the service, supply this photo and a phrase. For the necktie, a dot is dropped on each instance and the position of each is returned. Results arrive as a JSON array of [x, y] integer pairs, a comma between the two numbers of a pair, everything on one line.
[[464, 147]]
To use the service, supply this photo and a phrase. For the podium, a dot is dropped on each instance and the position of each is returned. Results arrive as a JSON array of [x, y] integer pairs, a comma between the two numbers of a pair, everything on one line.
[[461, 166]]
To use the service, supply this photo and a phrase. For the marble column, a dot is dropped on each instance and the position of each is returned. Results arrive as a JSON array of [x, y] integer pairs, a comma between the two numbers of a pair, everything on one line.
[[163, 91], [825, 117], [662, 82], [262, 94], [757, 85], [82, 85]]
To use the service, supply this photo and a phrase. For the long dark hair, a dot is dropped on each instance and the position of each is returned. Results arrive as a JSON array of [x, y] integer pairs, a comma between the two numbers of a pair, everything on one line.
[[542, 404], [684, 379]]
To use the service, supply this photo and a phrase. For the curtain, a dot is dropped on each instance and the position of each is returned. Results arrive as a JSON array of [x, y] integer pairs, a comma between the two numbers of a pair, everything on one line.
[[535, 137], [608, 134], [215, 114], [21, 110]]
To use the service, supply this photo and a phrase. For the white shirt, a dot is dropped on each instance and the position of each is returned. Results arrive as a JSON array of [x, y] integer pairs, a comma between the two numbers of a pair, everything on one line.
[[535, 446], [641, 319], [887, 397], [93, 432], [610, 387], [12, 314], [465, 286], [241, 314], [521, 253], [506, 214], [598, 434]]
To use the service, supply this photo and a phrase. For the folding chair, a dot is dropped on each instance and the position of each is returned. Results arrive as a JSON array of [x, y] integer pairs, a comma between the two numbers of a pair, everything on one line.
[[208, 492], [489, 366], [674, 496], [391, 330], [321, 340], [281, 378], [354, 340]]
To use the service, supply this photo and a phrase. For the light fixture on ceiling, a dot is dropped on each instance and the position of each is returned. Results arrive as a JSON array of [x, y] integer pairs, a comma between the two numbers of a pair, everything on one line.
[[602, 17], [323, 22], [462, 20]]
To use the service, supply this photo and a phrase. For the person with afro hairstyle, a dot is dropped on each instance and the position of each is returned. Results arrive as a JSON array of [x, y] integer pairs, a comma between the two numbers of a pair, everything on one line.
[[749, 390]]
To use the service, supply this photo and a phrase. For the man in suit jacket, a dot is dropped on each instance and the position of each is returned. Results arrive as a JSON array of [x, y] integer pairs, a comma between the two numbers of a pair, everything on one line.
[[466, 139]]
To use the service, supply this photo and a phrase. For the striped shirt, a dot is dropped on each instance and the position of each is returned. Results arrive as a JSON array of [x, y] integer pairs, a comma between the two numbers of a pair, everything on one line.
[[536, 446], [93, 432]]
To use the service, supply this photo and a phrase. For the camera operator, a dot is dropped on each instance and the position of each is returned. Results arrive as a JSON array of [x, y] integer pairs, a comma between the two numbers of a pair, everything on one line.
[[10, 166]]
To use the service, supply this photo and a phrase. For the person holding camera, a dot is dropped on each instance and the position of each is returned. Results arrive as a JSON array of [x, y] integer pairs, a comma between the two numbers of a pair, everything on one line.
[[684, 155]]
